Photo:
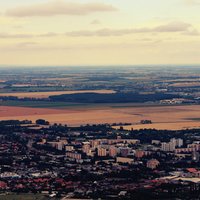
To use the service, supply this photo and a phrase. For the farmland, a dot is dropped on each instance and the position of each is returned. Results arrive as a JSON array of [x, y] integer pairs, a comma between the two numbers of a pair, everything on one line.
[[162, 117], [170, 99], [41, 95]]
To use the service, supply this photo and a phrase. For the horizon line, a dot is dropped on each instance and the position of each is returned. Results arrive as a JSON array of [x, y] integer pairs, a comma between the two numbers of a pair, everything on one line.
[[105, 66]]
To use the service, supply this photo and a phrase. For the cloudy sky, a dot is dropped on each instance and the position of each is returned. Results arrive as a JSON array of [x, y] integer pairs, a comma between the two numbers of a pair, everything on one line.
[[99, 32]]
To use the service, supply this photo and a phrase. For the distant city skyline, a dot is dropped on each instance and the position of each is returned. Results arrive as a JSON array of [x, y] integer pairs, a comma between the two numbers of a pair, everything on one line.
[[99, 32]]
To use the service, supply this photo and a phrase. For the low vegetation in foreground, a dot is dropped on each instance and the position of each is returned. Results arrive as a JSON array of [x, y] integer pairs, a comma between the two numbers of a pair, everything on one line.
[[25, 197]]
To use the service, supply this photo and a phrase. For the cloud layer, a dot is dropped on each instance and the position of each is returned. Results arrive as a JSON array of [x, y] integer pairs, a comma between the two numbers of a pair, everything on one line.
[[192, 2], [173, 27], [59, 7], [170, 27]]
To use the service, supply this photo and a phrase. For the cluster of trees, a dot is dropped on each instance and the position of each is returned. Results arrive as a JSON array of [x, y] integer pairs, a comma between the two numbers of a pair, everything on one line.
[[42, 122], [112, 98], [14, 122]]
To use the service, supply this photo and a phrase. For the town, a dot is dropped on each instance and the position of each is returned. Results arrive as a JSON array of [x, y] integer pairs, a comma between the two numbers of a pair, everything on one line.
[[97, 161]]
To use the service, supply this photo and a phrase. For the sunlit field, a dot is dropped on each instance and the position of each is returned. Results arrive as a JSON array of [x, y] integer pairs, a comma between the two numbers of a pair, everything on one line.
[[162, 117]]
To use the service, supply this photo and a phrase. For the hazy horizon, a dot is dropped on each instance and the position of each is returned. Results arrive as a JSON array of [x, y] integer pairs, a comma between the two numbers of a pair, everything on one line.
[[99, 32]]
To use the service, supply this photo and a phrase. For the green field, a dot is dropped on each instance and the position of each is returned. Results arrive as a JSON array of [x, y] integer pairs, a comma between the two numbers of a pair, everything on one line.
[[193, 119], [25, 197], [68, 105], [41, 104], [56, 105]]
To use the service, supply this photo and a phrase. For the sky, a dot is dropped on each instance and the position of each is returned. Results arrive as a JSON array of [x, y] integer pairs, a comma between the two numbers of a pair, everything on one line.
[[99, 32]]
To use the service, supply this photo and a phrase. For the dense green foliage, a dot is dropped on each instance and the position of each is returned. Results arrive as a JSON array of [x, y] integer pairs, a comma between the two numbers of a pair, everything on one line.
[[112, 98]]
